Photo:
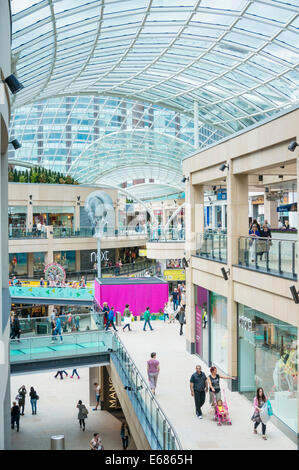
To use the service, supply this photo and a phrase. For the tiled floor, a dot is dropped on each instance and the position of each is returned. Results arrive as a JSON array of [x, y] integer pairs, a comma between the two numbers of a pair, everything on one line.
[[57, 414], [174, 396]]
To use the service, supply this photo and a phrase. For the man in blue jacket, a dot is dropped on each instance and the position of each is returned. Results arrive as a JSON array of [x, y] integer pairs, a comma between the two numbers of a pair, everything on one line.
[[110, 320]]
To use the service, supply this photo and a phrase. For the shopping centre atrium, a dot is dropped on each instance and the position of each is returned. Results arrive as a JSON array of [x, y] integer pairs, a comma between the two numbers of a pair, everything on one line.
[[149, 153]]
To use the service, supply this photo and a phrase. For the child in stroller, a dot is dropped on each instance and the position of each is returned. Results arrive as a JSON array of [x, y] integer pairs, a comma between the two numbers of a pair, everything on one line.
[[221, 411]]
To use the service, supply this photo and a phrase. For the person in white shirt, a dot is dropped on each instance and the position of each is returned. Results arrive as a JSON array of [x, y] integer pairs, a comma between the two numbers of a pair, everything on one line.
[[98, 392]]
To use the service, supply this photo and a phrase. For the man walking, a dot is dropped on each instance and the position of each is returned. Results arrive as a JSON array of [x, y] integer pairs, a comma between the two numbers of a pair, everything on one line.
[[127, 318], [58, 327], [175, 299], [111, 319], [199, 387], [147, 317], [15, 416]]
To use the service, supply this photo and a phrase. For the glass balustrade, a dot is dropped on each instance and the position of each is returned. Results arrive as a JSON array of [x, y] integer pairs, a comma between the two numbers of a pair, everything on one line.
[[73, 344], [16, 233], [212, 245], [167, 235], [158, 429], [75, 323], [273, 256]]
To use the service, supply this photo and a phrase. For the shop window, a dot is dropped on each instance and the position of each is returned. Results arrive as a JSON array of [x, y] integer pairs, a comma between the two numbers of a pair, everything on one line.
[[219, 332], [18, 264], [268, 359]]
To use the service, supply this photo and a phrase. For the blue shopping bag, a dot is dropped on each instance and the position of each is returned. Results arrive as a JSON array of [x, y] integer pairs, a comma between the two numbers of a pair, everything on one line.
[[269, 408]]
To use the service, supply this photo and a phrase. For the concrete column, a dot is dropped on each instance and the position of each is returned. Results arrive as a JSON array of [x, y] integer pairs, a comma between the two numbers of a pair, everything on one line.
[[196, 137], [214, 225], [223, 209], [237, 225], [29, 218], [194, 220], [30, 264], [270, 212], [78, 261], [77, 217], [49, 258], [94, 376]]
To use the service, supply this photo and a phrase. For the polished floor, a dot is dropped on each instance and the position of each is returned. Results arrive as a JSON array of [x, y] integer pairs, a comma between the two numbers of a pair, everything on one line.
[[173, 394], [57, 414]]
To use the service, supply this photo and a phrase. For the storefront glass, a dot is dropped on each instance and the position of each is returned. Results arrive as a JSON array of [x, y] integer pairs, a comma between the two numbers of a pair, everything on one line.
[[268, 359], [218, 315], [38, 263], [56, 216], [18, 264], [17, 216], [67, 259], [202, 323]]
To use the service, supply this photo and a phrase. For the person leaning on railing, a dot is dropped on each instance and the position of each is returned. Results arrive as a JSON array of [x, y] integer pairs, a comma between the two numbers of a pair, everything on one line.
[[265, 243], [254, 234]]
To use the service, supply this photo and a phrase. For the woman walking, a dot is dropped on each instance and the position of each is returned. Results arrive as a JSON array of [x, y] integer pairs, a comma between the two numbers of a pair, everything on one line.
[[153, 370], [125, 434], [214, 384], [33, 399], [259, 400], [82, 415]]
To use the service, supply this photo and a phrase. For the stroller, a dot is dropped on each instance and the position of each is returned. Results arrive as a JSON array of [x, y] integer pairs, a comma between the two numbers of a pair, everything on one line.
[[224, 416]]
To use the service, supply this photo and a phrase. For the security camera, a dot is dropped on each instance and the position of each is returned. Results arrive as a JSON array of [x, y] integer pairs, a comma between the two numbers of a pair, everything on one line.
[[294, 294], [292, 146], [225, 273]]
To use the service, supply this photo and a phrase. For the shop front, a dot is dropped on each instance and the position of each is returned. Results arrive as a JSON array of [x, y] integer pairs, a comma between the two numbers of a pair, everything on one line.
[[268, 358], [17, 216], [67, 259], [54, 215], [18, 264], [211, 328]]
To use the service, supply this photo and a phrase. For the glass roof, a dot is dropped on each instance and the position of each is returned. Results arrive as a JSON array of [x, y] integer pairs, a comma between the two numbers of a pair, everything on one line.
[[238, 59], [108, 140]]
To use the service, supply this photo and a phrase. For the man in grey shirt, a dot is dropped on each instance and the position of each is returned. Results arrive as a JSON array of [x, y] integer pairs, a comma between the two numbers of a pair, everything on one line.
[[199, 387]]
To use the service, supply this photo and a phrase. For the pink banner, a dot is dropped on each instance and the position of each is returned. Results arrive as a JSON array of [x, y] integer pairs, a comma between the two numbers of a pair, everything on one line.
[[138, 296]]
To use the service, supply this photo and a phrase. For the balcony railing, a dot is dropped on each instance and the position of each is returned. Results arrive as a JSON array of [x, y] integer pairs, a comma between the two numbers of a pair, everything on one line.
[[159, 431], [168, 235], [72, 344], [212, 245], [16, 233], [77, 323], [87, 232], [273, 256]]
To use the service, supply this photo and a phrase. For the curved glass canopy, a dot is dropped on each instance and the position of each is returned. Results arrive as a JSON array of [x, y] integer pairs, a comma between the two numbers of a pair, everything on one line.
[[108, 140], [110, 85], [236, 58]]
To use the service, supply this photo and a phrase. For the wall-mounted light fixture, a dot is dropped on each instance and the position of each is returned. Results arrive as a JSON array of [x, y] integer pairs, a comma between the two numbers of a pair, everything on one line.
[[16, 144], [13, 84], [293, 146], [223, 166]]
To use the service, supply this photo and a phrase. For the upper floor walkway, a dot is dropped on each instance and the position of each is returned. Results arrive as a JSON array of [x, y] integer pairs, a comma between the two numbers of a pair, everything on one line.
[[276, 255]]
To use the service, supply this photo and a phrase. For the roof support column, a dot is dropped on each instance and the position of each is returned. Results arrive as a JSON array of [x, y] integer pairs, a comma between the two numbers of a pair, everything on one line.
[[195, 116]]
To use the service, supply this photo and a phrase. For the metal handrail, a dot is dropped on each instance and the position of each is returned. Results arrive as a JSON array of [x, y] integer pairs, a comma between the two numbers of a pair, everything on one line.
[[179, 445], [267, 238]]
